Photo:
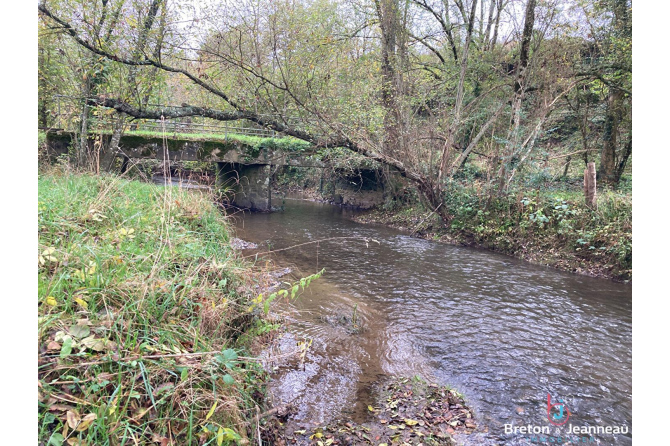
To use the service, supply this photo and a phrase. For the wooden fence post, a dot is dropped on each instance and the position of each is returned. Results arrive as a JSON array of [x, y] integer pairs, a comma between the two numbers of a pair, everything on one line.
[[590, 186]]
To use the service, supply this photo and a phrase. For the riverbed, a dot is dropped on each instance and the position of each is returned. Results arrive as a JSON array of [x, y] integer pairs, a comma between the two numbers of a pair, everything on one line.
[[505, 333]]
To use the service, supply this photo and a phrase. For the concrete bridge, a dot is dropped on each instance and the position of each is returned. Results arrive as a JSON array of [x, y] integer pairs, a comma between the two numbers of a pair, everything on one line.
[[243, 163]]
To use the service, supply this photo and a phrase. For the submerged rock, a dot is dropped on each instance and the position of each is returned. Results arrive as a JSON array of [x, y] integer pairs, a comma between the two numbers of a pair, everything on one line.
[[239, 244]]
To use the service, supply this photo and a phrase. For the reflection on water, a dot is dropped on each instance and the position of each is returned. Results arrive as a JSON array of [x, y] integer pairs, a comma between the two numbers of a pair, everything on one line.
[[504, 332]]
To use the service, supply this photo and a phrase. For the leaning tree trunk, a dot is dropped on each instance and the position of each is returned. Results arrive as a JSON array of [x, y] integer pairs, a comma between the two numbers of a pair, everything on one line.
[[567, 166]]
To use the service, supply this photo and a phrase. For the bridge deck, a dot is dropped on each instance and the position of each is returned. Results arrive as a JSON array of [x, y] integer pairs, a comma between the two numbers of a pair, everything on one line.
[[231, 148]]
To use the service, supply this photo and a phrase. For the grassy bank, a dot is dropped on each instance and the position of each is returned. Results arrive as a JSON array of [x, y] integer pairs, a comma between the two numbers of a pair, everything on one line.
[[548, 224], [145, 330]]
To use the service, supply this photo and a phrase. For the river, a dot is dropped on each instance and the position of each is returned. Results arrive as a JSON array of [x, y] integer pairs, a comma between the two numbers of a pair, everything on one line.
[[503, 332]]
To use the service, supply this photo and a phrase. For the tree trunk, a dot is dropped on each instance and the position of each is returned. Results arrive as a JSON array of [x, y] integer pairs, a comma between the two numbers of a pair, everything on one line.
[[489, 23], [607, 171], [387, 10], [494, 39], [621, 166], [519, 90], [82, 151], [110, 152], [567, 166], [590, 186], [455, 124]]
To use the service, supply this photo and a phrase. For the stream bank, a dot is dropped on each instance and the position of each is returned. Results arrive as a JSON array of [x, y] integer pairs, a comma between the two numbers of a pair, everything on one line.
[[144, 333]]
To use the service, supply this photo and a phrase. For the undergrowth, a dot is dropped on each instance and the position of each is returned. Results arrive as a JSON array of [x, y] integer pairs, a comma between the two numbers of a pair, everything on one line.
[[145, 317], [549, 225]]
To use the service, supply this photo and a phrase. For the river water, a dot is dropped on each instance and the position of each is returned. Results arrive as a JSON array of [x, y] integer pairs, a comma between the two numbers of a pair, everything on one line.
[[503, 332]]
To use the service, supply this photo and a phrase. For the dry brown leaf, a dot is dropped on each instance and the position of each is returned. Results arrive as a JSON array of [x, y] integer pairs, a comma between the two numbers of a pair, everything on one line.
[[53, 346], [163, 441], [60, 407], [73, 419], [104, 376], [86, 422], [161, 388]]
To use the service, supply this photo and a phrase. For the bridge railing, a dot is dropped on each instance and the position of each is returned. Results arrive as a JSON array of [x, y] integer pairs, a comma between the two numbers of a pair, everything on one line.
[[67, 113], [181, 126]]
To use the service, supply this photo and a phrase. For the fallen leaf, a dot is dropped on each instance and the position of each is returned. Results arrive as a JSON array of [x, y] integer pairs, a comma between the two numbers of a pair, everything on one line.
[[52, 301], [94, 343], [86, 422], [211, 411], [66, 349], [81, 302], [53, 346], [104, 376], [411, 422], [72, 418], [219, 437], [156, 438], [80, 331], [60, 407]]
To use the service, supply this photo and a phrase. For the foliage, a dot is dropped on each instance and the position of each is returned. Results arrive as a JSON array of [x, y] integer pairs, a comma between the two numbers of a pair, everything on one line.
[[422, 99]]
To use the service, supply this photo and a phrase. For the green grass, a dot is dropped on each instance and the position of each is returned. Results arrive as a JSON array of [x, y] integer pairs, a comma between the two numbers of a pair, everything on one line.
[[136, 283]]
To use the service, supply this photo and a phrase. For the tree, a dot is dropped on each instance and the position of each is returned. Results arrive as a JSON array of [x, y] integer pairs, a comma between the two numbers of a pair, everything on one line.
[[416, 86], [610, 64]]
